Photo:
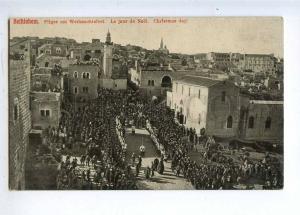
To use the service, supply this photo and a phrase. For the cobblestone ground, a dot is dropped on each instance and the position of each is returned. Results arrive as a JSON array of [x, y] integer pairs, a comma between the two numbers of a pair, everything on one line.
[[167, 181]]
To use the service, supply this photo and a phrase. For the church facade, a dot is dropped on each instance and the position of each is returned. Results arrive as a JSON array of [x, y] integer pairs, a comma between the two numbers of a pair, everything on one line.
[[200, 102], [219, 108]]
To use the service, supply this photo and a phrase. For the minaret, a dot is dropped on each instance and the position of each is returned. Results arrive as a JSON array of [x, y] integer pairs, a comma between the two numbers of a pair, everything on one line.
[[107, 57], [161, 43]]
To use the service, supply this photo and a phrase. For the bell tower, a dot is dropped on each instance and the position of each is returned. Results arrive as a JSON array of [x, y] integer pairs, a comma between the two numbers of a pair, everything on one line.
[[107, 57]]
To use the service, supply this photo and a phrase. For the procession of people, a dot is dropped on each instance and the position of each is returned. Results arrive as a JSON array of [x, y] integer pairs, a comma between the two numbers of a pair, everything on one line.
[[213, 172], [91, 138], [94, 133]]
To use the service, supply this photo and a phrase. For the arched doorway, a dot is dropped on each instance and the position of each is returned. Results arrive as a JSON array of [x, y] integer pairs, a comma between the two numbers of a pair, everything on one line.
[[166, 81]]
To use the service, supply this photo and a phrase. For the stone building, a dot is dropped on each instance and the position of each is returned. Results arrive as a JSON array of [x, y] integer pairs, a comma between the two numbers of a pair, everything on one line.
[[238, 61], [201, 102], [19, 114], [219, 60], [45, 60], [46, 80], [92, 50], [219, 108], [83, 81], [45, 109], [259, 63], [86, 77], [156, 83], [261, 120], [18, 47], [54, 49], [157, 80], [115, 71], [46, 95]]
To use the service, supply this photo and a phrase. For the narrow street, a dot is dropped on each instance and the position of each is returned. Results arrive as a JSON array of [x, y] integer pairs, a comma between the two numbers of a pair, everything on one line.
[[167, 181]]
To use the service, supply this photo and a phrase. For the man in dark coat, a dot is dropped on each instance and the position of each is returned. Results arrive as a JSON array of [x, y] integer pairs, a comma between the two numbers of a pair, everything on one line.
[[161, 167]]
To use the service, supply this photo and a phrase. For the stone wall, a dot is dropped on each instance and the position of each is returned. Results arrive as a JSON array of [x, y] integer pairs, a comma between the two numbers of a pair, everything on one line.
[[19, 120], [92, 82], [219, 110], [260, 112], [45, 101], [187, 100]]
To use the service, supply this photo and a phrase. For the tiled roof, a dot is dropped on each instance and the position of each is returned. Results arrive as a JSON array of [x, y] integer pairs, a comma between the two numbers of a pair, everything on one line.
[[197, 80]]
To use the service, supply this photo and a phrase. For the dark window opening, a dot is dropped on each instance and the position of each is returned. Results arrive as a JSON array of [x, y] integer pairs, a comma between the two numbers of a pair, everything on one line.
[[16, 110], [85, 89], [251, 122], [166, 81], [268, 123], [229, 122]]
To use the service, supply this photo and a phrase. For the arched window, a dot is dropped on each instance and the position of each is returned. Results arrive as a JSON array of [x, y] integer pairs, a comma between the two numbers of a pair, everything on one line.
[[75, 74], [58, 50], [75, 90], [88, 75], [83, 75], [229, 122], [166, 81], [152, 82], [251, 122], [268, 123], [149, 82]]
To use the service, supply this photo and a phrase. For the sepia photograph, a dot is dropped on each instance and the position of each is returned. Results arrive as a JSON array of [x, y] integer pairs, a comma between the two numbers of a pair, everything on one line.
[[146, 103]]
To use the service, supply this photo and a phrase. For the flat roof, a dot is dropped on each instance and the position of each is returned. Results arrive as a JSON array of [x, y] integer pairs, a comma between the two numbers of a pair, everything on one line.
[[198, 80]]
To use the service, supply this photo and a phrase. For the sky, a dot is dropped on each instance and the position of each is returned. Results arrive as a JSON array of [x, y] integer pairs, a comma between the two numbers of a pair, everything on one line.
[[261, 35]]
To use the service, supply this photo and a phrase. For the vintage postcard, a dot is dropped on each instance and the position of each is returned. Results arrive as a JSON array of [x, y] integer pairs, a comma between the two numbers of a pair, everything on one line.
[[146, 103]]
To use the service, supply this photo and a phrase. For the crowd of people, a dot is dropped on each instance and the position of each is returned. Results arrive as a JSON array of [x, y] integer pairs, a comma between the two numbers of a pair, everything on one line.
[[213, 174], [98, 128]]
